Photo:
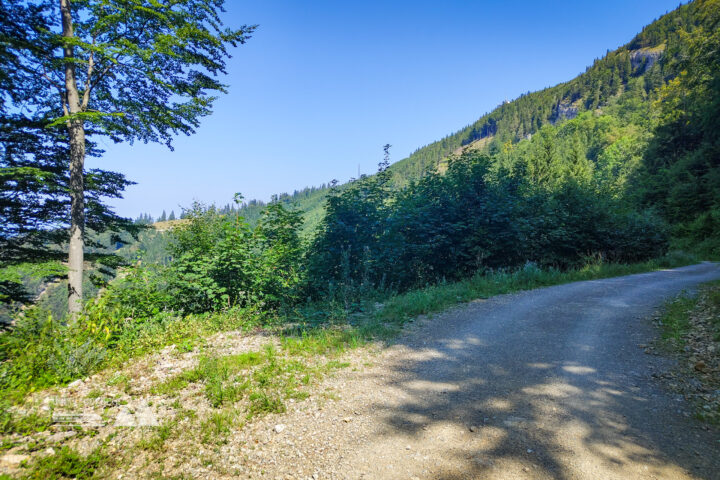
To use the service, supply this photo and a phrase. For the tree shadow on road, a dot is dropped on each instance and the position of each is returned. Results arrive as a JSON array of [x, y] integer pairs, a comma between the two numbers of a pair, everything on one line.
[[528, 408]]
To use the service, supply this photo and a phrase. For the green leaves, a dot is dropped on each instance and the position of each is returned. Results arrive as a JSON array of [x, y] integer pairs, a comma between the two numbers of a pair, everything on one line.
[[477, 216], [218, 262], [89, 117]]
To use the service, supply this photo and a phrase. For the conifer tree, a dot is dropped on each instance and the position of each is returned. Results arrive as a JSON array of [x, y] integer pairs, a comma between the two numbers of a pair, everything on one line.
[[141, 70]]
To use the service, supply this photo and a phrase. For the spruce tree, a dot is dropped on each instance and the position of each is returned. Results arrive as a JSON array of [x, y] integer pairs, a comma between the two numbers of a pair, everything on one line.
[[141, 70]]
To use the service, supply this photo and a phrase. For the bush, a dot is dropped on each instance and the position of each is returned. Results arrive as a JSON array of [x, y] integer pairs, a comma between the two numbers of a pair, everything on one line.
[[472, 218]]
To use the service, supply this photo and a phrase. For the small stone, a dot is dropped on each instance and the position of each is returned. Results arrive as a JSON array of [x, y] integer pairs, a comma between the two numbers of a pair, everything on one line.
[[473, 428], [347, 419], [700, 366], [76, 383], [407, 447], [279, 428], [529, 450], [61, 436]]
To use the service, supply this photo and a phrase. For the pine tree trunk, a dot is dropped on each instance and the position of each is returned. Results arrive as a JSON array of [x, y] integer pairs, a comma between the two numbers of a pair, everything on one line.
[[76, 134]]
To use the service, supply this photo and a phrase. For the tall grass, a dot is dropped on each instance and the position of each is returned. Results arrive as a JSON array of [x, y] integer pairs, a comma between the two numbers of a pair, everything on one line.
[[439, 297]]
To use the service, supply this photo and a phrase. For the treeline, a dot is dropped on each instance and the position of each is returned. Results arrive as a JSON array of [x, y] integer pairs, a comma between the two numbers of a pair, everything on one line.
[[147, 219]]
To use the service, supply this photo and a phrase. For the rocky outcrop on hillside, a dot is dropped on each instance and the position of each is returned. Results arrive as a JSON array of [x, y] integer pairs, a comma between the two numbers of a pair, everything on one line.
[[644, 58], [564, 111]]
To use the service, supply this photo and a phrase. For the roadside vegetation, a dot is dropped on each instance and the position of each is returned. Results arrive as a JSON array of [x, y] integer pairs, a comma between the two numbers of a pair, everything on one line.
[[690, 327], [222, 391]]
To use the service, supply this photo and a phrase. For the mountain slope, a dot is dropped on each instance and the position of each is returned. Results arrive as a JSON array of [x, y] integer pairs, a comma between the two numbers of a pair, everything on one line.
[[622, 78]]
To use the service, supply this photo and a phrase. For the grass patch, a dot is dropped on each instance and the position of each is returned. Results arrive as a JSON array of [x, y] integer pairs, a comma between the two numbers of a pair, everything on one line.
[[25, 424], [41, 352], [399, 308], [713, 299], [217, 427], [675, 321], [66, 463], [321, 341], [157, 440], [266, 379]]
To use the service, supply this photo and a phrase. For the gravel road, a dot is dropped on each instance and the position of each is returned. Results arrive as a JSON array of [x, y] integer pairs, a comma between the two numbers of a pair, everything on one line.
[[549, 383]]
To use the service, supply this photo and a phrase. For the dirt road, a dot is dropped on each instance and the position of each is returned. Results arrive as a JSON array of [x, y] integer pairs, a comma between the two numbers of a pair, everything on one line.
[[550, 383]]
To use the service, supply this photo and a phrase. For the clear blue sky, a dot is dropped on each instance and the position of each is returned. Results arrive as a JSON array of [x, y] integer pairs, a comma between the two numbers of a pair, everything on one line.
[[323, 85]]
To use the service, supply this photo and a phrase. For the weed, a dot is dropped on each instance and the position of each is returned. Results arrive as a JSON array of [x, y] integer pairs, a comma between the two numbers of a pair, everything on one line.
[[261, 402], [66, 463], [217, 426], [121, 381], [675, 319], [94, 393], [160, 435]]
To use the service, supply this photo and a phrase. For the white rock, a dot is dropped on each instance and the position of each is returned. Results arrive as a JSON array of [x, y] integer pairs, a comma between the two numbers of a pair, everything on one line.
[[76, 383], [142, 417], [279, 428], [12, 460]]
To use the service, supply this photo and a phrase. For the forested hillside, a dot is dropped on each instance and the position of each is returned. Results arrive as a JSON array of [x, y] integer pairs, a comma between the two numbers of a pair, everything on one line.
[[624, 87]]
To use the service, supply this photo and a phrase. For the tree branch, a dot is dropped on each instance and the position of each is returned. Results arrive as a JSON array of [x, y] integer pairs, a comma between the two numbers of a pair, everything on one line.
[[91, 66]]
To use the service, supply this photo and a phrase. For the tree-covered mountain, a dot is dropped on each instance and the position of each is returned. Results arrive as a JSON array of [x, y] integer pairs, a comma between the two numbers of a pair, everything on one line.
[[624, 86]]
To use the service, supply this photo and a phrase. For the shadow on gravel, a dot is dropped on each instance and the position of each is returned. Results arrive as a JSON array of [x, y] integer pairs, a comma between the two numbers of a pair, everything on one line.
[[566, 418], [552, 392]]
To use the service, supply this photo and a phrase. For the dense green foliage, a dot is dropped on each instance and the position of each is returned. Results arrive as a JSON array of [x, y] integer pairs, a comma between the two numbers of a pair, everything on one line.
[[217, 262], [681, 172], [475, 217]]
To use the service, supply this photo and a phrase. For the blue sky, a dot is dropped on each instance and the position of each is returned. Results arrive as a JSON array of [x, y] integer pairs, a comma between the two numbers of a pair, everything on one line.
[[323, 85]]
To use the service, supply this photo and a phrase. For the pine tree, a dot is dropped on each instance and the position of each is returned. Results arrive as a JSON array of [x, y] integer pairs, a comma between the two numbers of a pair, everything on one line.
[[80, 76]]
